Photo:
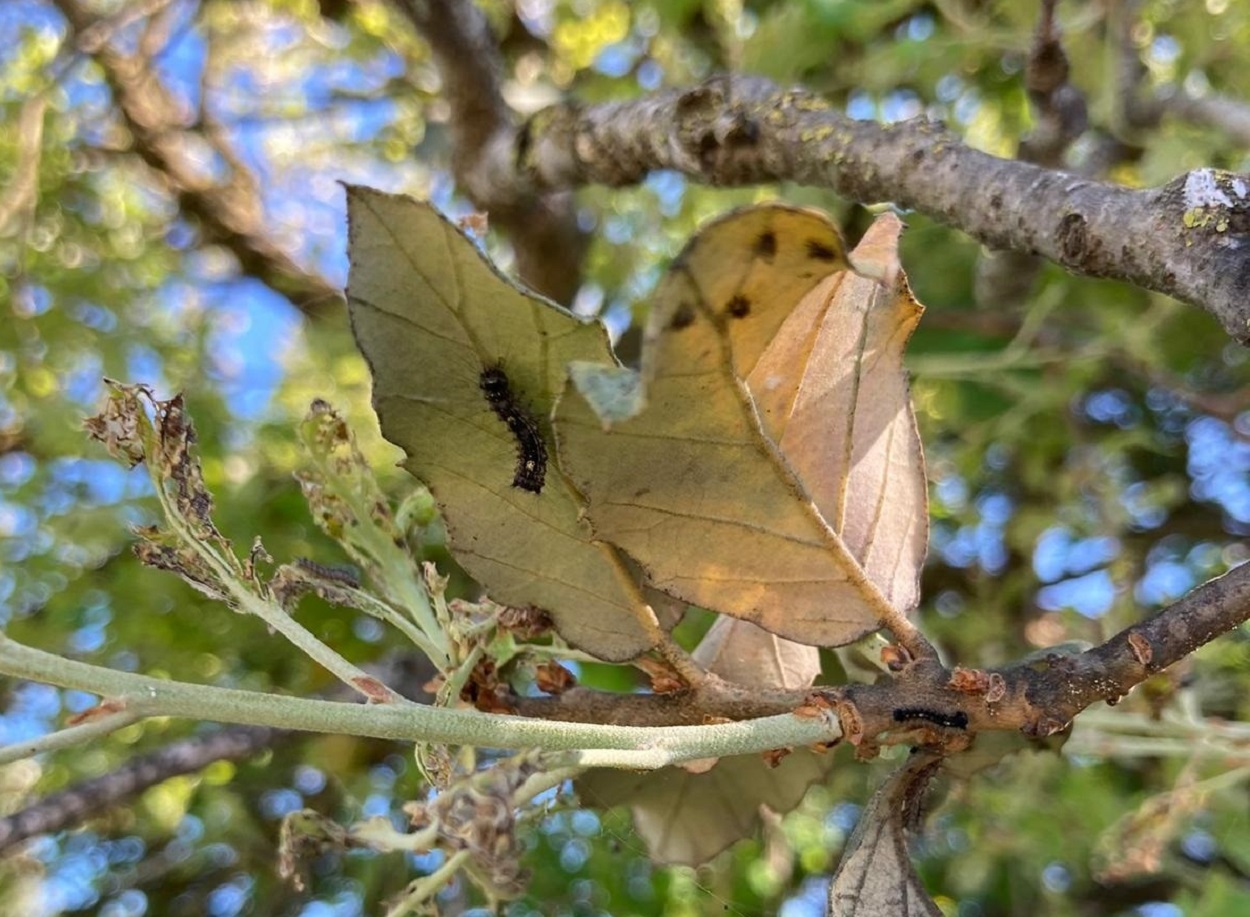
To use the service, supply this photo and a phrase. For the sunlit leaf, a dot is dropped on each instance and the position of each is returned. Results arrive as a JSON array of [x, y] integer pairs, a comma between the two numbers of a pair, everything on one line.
[[832, 392], [742, 652], [688, 485], [465, 368]]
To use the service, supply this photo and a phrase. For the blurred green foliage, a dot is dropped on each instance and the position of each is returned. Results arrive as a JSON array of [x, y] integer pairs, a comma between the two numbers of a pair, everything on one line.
[[1088, 446]]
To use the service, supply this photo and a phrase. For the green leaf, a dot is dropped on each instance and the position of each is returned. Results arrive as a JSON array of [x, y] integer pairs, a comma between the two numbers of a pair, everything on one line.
[[432, 316]]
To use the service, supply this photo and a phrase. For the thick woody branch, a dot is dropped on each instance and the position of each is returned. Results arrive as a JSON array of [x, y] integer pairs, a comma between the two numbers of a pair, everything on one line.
[[542, 228], [1109, 671], [228, 210], [1186, 239], [1037, 698], [713, 699]]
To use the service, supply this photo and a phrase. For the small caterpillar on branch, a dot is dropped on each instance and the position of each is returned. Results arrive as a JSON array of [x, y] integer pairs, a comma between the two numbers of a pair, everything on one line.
[[956, 720]]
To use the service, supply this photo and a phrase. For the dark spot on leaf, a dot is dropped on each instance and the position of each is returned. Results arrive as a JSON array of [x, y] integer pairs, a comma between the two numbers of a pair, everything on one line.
[[766, 245], [683, 317], [739, 306], [820, 251]]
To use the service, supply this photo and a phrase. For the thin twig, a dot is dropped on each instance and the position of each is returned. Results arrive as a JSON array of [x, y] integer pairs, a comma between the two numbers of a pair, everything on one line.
[[411, 722], [73, 805], [70, 736]]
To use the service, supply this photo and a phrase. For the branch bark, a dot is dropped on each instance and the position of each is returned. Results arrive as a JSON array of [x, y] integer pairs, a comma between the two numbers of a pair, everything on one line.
[[925, 704], [229, 210], [543, 229], [83, 800], [1186, 238], [1036, 698]]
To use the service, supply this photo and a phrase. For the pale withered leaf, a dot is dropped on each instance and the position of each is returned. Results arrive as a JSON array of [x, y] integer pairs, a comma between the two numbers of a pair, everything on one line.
[[673, 462], [875, 877]]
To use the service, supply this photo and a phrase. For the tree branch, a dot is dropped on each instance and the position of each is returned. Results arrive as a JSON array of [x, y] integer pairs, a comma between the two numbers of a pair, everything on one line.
[[1109, 671], [1036, 698], [639, 747], [1007, 277], [543, 229], [1185, 239], [924, 704], [82, 800], [229, 211], [1145, 109]]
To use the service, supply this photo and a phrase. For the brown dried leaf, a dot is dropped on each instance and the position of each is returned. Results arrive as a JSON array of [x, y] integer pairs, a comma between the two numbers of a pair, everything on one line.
[[553, 678], [180, 469], [832, 392], [740, 651], [663, 677], [674, 466], [689, 818], [165, 551], [190, 544], [485, 690], [690, 813], [525, 623], [120, 425], [876, 877]]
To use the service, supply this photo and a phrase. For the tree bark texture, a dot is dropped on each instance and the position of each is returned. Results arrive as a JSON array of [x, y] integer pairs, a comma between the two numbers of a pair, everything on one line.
[[1187, 238]]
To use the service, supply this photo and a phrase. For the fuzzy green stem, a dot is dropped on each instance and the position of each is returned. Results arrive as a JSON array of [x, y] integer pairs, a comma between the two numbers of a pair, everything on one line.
[[70, 736], [641, 746], [249, 602], [425, 888]]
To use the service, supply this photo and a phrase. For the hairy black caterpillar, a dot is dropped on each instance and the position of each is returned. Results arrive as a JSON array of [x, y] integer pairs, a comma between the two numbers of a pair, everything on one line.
[[531, 463], [956, 720]]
